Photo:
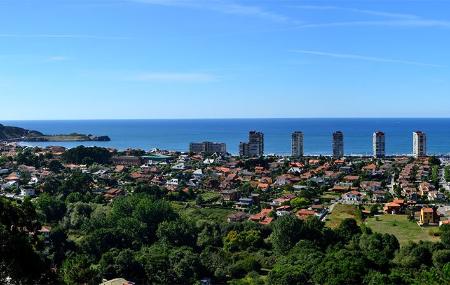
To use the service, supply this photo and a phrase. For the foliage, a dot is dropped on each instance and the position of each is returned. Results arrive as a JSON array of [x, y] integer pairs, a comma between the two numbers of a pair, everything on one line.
[[87, 155]]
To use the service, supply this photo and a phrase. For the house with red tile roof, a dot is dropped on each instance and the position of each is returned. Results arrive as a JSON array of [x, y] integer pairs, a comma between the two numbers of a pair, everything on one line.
[[304, 214], [262, 217]]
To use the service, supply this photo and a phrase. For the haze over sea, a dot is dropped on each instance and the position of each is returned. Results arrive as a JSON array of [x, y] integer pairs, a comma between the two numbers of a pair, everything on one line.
[[177, 134]]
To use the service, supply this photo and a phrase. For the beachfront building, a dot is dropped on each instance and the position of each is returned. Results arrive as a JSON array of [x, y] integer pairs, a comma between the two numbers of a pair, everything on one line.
[[208, 148], [338, 144], [297, 144], [419, 144], [379, 145], [254, 147]]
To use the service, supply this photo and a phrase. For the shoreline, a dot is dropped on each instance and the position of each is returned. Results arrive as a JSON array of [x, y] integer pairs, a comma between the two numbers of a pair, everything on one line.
[[283, 155]]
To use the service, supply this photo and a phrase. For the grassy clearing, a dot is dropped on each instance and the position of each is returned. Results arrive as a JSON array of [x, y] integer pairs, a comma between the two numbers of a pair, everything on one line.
[[192, 212], [210, 197], [340, 213], [330, 195], [402, 228]]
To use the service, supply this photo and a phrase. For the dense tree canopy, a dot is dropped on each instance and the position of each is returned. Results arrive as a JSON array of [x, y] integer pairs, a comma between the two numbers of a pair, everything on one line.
[[87, 155]]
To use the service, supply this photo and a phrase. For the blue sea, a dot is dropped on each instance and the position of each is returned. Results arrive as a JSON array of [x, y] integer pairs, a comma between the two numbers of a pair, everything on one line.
[[177, 134]]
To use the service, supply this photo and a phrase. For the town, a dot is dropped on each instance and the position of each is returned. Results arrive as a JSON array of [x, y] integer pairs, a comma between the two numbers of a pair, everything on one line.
[[406, 196]]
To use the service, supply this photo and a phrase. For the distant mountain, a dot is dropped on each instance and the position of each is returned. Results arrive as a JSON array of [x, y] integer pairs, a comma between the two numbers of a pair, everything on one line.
[[20, 134], [15, 133]]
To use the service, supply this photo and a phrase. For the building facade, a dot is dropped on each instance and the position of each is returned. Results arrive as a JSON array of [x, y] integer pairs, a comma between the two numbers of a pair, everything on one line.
[[379, 145], [338, 144], [208, 148], [297, 144], [127, 160], [419, 144], [254, 147]]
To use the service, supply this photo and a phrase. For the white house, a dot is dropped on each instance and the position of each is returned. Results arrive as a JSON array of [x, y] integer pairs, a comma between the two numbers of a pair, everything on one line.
[[198, 174], [295, 170], [27, 192], [352, 197], [173, 182], [179, 166]]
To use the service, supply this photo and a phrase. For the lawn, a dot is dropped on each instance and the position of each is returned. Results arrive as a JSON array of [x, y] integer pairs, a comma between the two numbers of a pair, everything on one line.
[[210, 197], [192, 212], [340, 213], [402, 228], [330, 196]]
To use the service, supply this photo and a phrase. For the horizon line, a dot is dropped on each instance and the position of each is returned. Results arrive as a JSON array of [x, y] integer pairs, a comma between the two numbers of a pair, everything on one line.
[[231, 118]]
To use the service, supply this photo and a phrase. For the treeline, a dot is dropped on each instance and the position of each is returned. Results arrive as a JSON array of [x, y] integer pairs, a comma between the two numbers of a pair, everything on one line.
[[142, 238], [20, 263]]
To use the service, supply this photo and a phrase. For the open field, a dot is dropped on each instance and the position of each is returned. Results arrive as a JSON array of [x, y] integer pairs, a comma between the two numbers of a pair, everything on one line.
[[190, 211], [401, 227], [330, 196], [210, 197], [340, 213]]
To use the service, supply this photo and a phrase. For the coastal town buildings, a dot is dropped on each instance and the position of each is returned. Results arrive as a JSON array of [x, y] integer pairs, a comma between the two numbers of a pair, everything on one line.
[[338, 144], [254, 147], [208, 147], [419, 144], [379, 145], [297, 144]]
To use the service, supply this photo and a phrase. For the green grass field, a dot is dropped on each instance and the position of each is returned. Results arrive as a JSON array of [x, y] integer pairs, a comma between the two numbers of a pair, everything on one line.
[[190, 211], [211, 197], [330, 195], [340, 213], [402, 228]]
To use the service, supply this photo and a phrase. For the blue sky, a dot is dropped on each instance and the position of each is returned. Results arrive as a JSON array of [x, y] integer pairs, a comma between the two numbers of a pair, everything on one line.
[[118, 59]]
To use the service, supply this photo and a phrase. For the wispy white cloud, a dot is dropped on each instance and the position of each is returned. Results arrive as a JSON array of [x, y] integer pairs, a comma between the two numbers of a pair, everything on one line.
[[364, 58], [226, 7], [360, 11], [174, 77], [62, 36], [419, 23], [391, 19], [385, 14]]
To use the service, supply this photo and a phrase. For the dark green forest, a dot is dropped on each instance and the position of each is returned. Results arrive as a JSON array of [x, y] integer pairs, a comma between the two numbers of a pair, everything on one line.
[[141, 238]]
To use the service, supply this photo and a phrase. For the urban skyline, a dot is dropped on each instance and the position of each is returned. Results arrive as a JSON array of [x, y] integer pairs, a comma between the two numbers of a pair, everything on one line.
[[255, 146]]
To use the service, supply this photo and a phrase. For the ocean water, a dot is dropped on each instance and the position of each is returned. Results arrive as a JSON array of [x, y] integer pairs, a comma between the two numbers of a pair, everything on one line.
[[177, 134]]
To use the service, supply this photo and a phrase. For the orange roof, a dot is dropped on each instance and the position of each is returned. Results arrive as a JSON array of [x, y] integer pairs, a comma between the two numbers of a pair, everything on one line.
[[261, 215], [306, 212], [427, 210], [13, 176], [263, 186], [297, 164], [351, 178], [135, 175], [370, 167], [223, 169]]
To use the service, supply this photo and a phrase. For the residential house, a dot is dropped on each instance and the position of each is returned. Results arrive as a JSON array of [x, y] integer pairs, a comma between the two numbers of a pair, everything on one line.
[[428, 216], [394, 207], [27, 192], [352, 198], [262, 217], [237, 217], [230, 195], [304, 214]]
